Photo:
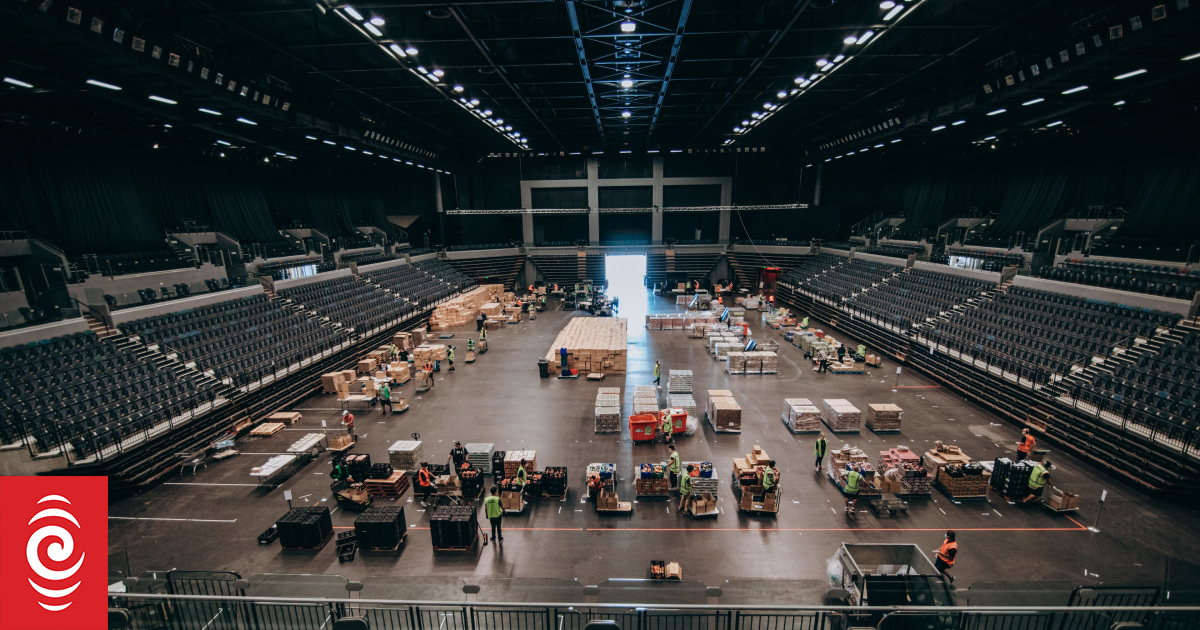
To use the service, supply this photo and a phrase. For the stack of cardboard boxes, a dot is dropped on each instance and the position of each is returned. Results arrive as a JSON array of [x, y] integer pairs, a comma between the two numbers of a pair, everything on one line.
[[593, 345], [840, 416], [462, 309], [955, 473], [1060, 499], [512, 462], [748, 472], [724, 413], [884, 418], [801, 416]]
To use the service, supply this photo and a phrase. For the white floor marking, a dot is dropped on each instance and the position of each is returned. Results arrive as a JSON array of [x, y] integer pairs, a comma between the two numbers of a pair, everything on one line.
[[186, 520]]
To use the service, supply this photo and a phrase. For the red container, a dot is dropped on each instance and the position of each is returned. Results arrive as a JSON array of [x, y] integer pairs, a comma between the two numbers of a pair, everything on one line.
[[642, 427]]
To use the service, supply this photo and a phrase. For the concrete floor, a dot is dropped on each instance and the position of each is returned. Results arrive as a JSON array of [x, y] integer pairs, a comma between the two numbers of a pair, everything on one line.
[[501, 399]]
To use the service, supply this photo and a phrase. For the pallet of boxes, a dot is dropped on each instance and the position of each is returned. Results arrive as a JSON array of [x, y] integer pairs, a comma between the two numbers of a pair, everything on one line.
[[884, 418], [848, 455], [801, 416], [723, 412], [651, 481], [405, 458], [747, 484], [608, 410], [840, 416], [594, 345], [955, 473], [602, 490], [511, 499], [462, 310], [904, 465]]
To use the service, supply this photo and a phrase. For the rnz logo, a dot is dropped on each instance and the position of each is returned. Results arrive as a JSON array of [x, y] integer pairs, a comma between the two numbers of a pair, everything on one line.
[[54, 587]]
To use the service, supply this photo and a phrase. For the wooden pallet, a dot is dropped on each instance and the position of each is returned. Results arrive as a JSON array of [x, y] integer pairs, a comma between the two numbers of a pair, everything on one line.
[[403, 539], [471, 547], [392, 487], [267, 429], [285, 417], [319, 546]]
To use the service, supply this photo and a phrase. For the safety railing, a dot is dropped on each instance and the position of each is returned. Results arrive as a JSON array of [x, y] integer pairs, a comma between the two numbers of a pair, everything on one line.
[[137, 611]]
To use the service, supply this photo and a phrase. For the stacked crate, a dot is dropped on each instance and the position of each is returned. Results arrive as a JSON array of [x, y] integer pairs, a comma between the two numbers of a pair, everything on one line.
[[735, 362], [405, 455], [723, 412], [453, 527], [305, 528], [512, 461], [770, 360], [684, 402], [608, 410], [462, 309], [380, 528], [479, 455], [840, 416], [679, 381], [645, 399], [593, 345], [1011, 479], [724, 348], [884, 418], [801, 416]]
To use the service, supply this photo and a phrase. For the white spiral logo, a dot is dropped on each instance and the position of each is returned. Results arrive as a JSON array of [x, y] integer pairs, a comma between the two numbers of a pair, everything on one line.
[[59, 551]]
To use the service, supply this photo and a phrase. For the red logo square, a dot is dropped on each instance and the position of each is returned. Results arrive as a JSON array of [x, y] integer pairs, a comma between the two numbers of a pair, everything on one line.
[[54, 550]]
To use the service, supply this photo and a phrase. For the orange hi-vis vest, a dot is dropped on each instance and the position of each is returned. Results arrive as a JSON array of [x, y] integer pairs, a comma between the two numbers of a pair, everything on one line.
[[1027, 445], [944, 551], [425, 478]]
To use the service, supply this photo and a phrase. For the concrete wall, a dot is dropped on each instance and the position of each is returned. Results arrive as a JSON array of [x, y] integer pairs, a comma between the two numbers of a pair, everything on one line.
[[887, 260], [1058, 260], [22, 336], [844, 253], [990, 276], [174, 306], [10, 302], [422, 258], [381, 265], [125, 288], [483, 253], [1104, 294], [321, 277]]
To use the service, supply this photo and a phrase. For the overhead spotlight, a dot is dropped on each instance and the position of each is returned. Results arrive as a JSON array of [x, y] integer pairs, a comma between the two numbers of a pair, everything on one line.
[[768, 106], [626, 114], [310, 137], [1190, 57], [377, 21], [516, 134], [458, 88], [1118, 103], [839, 58], [997, 112], [348, 147], [628, 26], [508, 127], [222, 154], [862, 39], [799, 80], [352, 12], [822, 62], [398, 50], [1130, 74], [878, 146], [737, 129], [745, 123], [107, 86], [474, 101], [850, 40], [422, 70], [626, 83], [160, 99], [1073, 90], [499, 121], [1055, 123], [755, 115], [17, 82], [938, 128], [411, 50], [895, 141], [211, 112], [330, 142], [781, 94], [887, 5], [224, 143], [958, 122], [439, 73], [155, 145], [1033, 102], [371, 29], [247, 121], [827, 67], [487, 112]]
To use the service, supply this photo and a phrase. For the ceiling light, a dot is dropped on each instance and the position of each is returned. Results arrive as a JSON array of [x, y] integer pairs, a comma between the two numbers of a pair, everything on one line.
[[865, 36], [628, 26], [222, 154], [168, 126], [162, 99], [366, 152], [374, 31], [800, 80], [17, 82], [838, 58], [107, 86], [1190, 57], [329, 142], [422, 70], [474, 101], [938, 128], [377, 21], [439, 73], [508, 127], [990, 138], [887, 5], [737, 129], [656, 150], [850, 40], [814, 76], [755, 115], [348, 147], [827, 68], [795, 91], [1130, 74], [597, 153], [224, 143], [310, 137], [676, 150], [1055, 123], [1033, 102], [458, 88], [850, 153], [997, 112], [768, 106], [894, 12], [411, 50], [212, 112], [781, 94], [958, 122], [895, 141], [487, 112], [627, 83], [745, 123], [247, 121], [499, 121], [626, 114], [1075, 89], [516, 134], [879, 145], [398, 50], [828, 159], [1118, 103], [352, 12], [822, 62], [626, 151]]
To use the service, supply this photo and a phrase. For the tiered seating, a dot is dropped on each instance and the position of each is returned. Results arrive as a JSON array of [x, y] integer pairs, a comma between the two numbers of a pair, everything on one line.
[[366, 258], [564, 270], [1146, 248], [492, 269], [142, 262], [240, 339], [348, 301], [848, 279], [1037, 334], [838, 244], [913, 297], [87, 393], [1167, 281], [445, 272], [776, 241], [812, 266], [415, 289], [463, 248], [896, 250]]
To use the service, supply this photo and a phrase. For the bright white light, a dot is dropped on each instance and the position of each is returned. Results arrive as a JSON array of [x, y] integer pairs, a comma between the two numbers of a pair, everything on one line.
[[167, 126], [1190, 57], [474, 101], [1075, 89], [768, 106], [822, 62], [1130, 74], [895, 141], [814, 76], [626, 114], [865, 36], [377, 21], [997, 112], [827, 67], [628, 26], [651, 150], [755, 115], [887, 5], [745, 123], [458, 88], [440, 73], [508, 127], [422, 70], [329, 142], [850, 40], [247, 121], [799, 80], [348, 147], [487, 112], [958, 122], [516, 134], [17, 82], [839, 58], [627, 83], [1055, 123], [398, 50], [107, 86], [676, 150], [499, 121], [212, 112], [880, 145], [737, 130], [352, 12], [163, 99], [781, 94], [990, 138], [224, 143], [893, 13], [626, 151], [938, 128], [411, 50], [366, 152], [372, 30], [310, 137], [1118, 103], [1034, 102]]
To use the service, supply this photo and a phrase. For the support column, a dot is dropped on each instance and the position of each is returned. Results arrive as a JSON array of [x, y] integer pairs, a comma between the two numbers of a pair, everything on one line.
[[656, 219], [437, 204], [593, 198], [817, 184], [527, 228], [723, 219]]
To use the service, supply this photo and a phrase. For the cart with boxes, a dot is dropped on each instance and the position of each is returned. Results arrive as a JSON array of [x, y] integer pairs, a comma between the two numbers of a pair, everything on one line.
[[651, 481], [703, 500], [955, 473], [748, 488], [601, 490]]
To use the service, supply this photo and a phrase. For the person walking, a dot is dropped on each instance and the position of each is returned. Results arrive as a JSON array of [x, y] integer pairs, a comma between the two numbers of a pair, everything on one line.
[[946, 554], [850, 491], [673, 467], [1025, 445], [458, 455], [1037, 481], [450, 357], [385, 398], [521, 480], [348, 422], [666, 427], [494, 513], [658, 374], [685, 487], [483, 333], [425, 483], [479, 322], [820, 449]]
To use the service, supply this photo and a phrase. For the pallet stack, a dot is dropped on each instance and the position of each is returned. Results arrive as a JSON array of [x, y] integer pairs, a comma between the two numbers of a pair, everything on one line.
[[684, 402], [914, 479], [723, 412], [1011, 479], [512, 461], [645, 399], [405, 455], [305, 528], [801, 416], [380, 528], [597, 344], [840, 416], [679, 381], [462, 309], [955, 473], [329, 382], [453, 527], [884, 418], [608, 410], [735, 362], [479, 455], [428, 353], [770, 361]]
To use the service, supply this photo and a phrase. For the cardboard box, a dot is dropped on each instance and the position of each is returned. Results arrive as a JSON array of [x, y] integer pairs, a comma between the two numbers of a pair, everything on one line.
[[674, 571], [349, 375], [747, 502], [769, 503]]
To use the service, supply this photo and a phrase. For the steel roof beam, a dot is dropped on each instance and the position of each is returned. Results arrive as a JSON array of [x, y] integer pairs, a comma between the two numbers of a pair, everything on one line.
[[684, 11], [577, 34]]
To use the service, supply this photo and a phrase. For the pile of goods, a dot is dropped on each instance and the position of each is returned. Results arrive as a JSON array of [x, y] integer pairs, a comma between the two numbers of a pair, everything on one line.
[[905, 464], [471, 479], [661, 570], [723, 412], [479, 455], [801, 416], [1011, 479], [380, 528], [553, 482], [956, 475], [645, 400], [748, 473], [453, 527], [1060, 499], [405, 455], [512, 462], [684, 402], [305, 528], [735, 363], [608, 410], [884, 418], [462, 309], [594, 344], [840, 416], [428, 353], [652, 480], [679, 381], [838, 459], [673, 321]]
